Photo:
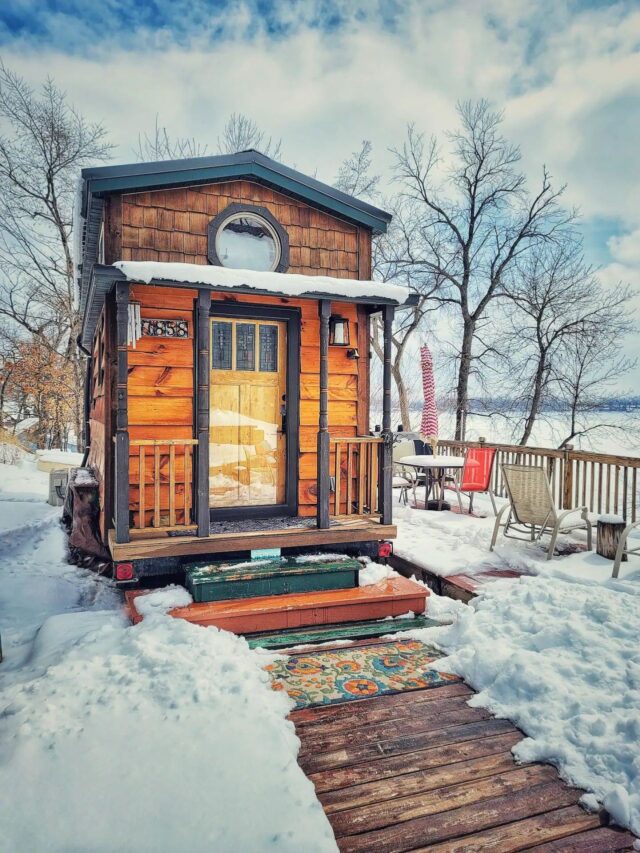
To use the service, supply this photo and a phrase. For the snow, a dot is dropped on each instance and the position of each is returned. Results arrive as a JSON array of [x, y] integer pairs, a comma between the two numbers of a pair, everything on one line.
[[163, 600], [157, 737], [374, 573], [555, 651], [84, 477], [60, 457], [289, 284], [561, 660], [448, 543]]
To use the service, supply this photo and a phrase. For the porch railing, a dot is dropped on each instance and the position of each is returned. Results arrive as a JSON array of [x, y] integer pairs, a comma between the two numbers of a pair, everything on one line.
[[605, 483], [161, 483], [356, 475]]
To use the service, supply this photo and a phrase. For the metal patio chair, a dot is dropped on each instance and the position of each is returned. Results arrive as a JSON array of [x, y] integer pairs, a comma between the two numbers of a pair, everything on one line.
[[476, 476], [405, 477], [531, 510]]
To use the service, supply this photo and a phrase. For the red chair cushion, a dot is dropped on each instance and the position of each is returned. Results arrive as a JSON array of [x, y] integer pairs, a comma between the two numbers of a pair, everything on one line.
[[476, 474]]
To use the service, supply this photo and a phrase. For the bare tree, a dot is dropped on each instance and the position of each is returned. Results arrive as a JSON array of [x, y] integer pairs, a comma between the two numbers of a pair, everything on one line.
[[160, 145], [241, 133], [590, 369], [469, 228], [354, 175], [558, 301], [45, 143]]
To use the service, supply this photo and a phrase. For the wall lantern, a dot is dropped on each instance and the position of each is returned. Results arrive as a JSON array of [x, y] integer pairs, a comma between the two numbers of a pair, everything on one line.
[[338, 331]]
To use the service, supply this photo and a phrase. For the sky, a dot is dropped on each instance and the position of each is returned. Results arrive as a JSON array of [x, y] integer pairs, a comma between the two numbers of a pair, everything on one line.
[[325, 74]]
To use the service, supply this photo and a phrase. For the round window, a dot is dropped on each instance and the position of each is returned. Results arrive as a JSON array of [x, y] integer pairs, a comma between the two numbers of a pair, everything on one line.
[[247, 241]]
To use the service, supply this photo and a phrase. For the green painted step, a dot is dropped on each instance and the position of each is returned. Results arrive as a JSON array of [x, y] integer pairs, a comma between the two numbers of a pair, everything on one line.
[[354, 631], [222, 581]]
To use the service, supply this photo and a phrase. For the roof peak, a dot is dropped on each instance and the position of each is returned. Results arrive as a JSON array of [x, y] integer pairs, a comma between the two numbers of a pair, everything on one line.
[[251, 164]]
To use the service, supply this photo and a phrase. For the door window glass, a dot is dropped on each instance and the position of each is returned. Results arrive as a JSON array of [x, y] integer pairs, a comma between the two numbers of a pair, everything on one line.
[[221, 346], [268, 349], [245, 346]]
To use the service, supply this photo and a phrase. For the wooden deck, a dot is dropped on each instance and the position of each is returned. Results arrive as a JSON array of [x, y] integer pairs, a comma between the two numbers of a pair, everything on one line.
[[343, 530], [424, 771]]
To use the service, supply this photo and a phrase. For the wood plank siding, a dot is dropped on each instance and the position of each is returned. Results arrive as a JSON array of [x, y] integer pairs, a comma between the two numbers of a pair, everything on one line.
[[171, 226]]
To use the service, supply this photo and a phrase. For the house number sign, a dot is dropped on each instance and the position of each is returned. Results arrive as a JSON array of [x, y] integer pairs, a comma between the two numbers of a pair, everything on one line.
[[165, 328]]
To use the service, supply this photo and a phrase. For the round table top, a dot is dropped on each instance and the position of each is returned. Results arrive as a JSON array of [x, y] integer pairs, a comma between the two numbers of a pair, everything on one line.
[[427, 461]]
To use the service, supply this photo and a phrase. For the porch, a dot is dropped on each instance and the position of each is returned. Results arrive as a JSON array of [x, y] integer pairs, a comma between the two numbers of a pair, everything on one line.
[[338, 478], [301, 533]]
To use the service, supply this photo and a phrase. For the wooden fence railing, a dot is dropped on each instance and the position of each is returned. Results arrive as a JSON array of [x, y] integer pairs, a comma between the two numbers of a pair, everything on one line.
[[356, 475], [603, 482], [161, 483]]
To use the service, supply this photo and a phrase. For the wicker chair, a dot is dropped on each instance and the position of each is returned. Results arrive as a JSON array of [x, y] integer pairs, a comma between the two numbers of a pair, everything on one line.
[[531, 512], [623, 548]]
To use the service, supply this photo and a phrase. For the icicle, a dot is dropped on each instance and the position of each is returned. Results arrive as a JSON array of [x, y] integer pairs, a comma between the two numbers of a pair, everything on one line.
[[134, 324]]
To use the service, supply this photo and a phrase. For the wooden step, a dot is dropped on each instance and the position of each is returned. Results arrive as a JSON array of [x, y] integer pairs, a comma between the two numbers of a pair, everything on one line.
[[346, 631], [391, 597], [224, 580]]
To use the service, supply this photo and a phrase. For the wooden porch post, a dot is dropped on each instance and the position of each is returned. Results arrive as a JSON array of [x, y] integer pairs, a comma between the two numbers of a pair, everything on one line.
[[121, 502], [323, 420], [386, 467], [203, 305]]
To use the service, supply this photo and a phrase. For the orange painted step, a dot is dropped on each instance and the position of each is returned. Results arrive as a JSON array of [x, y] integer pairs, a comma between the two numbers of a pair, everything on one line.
[[391, 597]]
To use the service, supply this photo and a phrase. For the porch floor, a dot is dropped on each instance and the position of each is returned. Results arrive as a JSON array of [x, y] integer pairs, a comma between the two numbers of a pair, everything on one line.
[[147, 544]]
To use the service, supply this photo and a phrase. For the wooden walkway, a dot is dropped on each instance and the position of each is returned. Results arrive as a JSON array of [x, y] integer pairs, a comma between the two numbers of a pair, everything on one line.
[[424, 771]]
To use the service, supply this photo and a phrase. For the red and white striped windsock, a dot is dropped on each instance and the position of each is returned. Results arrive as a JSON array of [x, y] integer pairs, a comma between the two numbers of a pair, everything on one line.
[[429, 424]]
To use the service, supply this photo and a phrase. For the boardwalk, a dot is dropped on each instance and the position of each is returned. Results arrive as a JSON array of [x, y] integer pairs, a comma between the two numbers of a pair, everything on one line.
[[424, 771]]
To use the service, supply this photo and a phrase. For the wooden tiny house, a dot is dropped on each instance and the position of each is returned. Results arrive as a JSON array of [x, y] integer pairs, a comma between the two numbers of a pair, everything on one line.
[[226, 306]]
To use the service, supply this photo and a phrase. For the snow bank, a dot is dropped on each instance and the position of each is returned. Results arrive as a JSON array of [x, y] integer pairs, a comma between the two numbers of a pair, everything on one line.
[[163, 736], [290, 284], [561, 659]]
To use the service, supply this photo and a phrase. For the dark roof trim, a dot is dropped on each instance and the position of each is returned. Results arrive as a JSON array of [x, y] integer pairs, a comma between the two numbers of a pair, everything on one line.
[[246, 164], [90, 249], [104, 277]]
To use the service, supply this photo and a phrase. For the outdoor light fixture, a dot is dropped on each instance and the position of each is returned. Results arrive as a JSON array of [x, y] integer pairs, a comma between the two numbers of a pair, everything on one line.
[[353, 353], [338, 331]]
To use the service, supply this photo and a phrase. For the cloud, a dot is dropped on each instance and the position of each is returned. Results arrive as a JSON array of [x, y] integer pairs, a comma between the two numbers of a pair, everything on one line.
[[324, 74]]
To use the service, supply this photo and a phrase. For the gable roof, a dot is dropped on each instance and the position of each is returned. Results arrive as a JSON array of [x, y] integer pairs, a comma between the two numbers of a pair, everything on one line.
[[137, 177]]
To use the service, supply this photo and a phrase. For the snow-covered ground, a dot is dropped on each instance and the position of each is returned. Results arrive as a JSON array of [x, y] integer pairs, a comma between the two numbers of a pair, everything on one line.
[[556, 651], [158, 737]]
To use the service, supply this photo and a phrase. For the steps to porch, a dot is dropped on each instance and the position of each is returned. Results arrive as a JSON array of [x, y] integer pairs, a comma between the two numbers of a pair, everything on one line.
[[219, 581], [286, 596], [391, 597]]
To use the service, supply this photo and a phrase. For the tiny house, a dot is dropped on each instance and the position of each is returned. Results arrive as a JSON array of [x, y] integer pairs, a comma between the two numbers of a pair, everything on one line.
[[226, 306]]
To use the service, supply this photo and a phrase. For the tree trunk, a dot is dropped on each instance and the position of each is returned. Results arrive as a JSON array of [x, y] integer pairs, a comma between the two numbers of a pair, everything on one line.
[[462, 390], [403, 397], [609, 531], [536, 399]]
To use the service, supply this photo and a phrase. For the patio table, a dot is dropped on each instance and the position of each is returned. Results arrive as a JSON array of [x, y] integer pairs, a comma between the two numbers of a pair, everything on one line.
[[439, 466]]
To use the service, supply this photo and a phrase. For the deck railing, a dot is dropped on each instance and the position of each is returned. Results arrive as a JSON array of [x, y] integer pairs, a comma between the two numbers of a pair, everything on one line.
[[162, 473], [356, 471], [605, 483]]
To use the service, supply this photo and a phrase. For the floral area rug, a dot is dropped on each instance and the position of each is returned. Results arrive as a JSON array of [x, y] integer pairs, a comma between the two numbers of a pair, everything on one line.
[[361, 672]]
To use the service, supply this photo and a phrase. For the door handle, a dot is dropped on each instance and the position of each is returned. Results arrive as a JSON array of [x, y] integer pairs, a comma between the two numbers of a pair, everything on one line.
[[283, 413]]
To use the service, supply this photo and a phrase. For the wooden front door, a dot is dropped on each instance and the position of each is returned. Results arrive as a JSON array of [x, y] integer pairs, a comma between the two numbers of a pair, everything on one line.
[[248, 419]]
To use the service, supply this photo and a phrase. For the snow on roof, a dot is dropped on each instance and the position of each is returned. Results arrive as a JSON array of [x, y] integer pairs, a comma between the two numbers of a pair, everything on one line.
[[287, 284]]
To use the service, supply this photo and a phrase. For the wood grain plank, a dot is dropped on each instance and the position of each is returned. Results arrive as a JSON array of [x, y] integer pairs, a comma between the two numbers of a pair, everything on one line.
[[496, 811], [372, 754], [396, 811], [307, 717], [422, 721], [414, 783], [552, 826], [604, 839]]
